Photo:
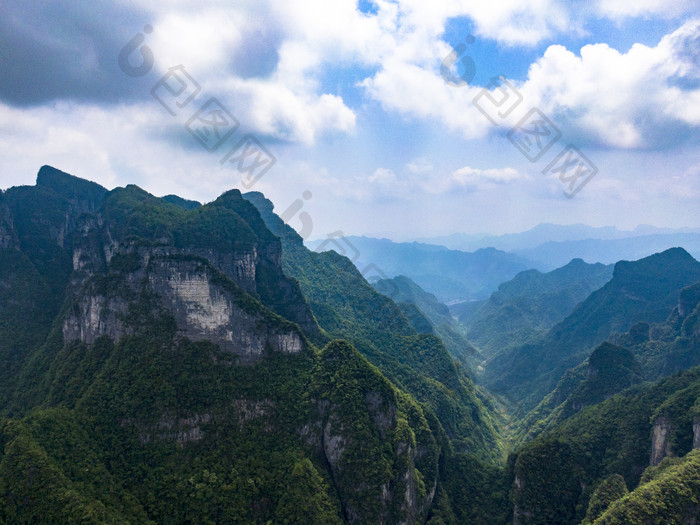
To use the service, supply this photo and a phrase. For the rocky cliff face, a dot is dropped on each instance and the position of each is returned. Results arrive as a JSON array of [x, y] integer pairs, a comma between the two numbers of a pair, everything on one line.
[[133, 240], [205, 311], [8, 238], [660, 440], [205, 305]]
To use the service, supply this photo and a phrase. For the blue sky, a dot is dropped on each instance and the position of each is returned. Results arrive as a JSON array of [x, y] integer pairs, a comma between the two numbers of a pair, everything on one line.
[[350, 101]]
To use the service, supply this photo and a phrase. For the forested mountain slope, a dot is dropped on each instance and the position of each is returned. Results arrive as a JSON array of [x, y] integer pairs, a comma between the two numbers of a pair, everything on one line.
[[164, 365], [639, 291]]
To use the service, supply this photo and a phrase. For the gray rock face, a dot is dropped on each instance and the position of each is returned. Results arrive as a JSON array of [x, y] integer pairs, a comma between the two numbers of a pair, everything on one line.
[[334, 439], [239, 267], [520, 516], [8, 239], [203, 311], [383, 414], [94, 316], [660, 442], [208, 312]]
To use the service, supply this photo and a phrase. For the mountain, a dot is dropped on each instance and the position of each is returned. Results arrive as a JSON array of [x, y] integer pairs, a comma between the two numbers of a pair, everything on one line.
[[449, 274], [644, 290], [431, 316], [672, 345], [167, 361], [547, 233], [531, 303], [608, 370], [163, 365], [555, 478], [669, 492], [607, 251], [651, 351], [346, 306]]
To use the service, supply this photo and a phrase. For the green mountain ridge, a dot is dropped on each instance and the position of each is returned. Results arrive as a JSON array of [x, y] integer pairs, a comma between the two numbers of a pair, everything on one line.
[[184, 362], [433, 317], [531, 303], [608, 370], [644, 290], [556, 474]]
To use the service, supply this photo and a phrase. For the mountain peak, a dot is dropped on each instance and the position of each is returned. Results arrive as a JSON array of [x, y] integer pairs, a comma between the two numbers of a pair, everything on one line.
[[233, 194], [69, 186], [654, 264]]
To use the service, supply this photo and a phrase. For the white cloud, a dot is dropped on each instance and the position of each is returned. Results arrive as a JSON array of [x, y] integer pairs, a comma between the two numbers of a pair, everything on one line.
[[81, 140], [262, 60], [419, 166], [637, 99], [466, 175], [403, 39], [465, 179], [382, 176], [621, 100], [618, 9], [471, 180], [515, 22]]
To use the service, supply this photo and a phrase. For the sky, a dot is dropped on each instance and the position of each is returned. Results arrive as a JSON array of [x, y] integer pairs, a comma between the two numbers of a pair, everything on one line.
[[401, 119]]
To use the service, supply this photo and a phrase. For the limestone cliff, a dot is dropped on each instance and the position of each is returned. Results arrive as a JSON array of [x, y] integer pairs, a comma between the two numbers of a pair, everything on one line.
[[660, 440], [204, 303]]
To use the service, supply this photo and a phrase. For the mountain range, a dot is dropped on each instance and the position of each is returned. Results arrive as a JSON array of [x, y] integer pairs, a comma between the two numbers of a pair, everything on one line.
[[530, 304], [550, 233], [639, 291], [451, 275], [167, 361]]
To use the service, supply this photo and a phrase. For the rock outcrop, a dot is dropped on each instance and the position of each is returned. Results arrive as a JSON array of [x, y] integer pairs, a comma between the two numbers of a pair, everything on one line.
[[660, 440], [205, 305]]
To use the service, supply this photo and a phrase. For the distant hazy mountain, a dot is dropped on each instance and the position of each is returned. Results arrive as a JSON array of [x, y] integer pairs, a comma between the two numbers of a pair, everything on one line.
[[531, 303], [449, 274], [554, 254], [545, 233]]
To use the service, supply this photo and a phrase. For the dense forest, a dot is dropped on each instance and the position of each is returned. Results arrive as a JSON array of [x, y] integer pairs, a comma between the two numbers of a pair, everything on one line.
[[166, 361]]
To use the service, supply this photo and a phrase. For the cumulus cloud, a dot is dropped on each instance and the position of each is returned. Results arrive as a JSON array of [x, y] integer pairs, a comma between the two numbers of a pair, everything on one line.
[[467, 174], [645, 98], [470, 180], [265, 60], [251, 55], [648, 97], [514, 22]]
